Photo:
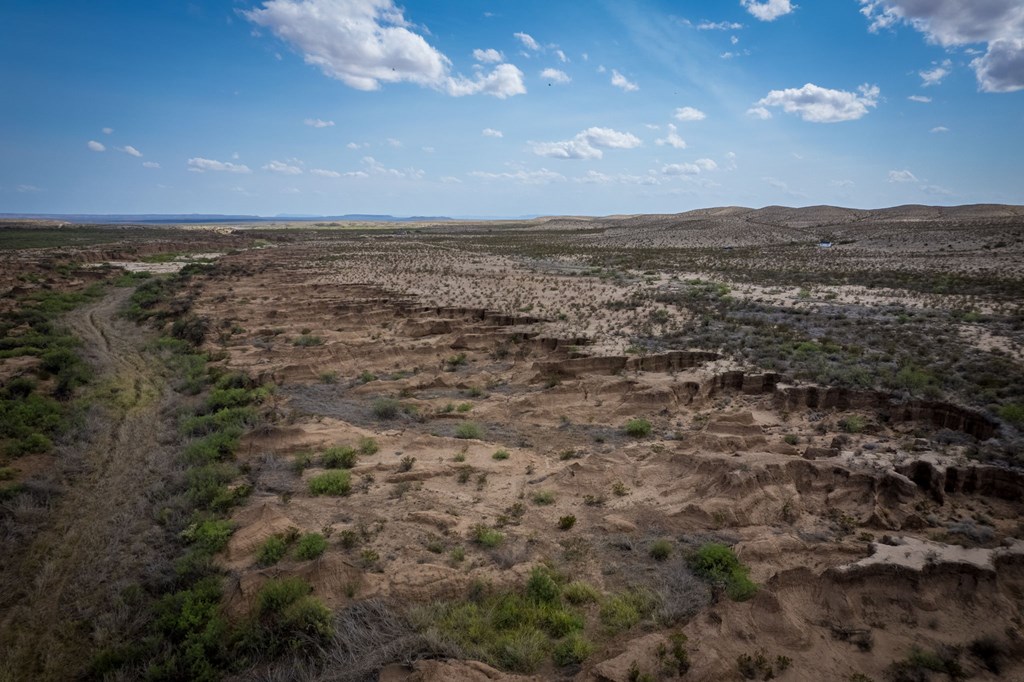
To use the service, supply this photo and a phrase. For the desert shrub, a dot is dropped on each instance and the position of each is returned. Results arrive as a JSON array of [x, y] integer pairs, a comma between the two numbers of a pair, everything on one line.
[[791, 439], [542, 586], [386, 408], [579, 592], [566, 522], [306, 340], [852, 424], [500, 455], [574, 649], [368, 446], [310, 546], [1013, 413], [990, 651], [229, 417], [215, 447], [286, 619], [622, 611], [207, 485], [469, 430], [543, 497], [718, 564], [660, 549], [192, 622], [407, 463], [638, 428], [272, 551], [486, 537], [342, 457], [191, 328], [331, 483], [209, 536]]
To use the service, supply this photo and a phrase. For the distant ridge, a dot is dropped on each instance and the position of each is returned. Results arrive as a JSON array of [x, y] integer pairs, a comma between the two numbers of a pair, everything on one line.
[[204, 218]]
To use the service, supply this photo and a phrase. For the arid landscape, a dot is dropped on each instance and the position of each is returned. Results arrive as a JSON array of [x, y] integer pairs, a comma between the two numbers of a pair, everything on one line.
[[719, 445]]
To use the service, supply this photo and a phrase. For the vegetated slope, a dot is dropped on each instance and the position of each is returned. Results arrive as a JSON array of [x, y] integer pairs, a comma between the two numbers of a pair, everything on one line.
[[71, 588]]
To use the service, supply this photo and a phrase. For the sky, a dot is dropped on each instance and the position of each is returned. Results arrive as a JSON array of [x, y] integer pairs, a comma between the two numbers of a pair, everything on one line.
[[507, 108]]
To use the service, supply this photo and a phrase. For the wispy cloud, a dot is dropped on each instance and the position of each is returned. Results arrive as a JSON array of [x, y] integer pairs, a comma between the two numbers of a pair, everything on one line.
[[96, 146], [620, 81], [200, 165], [318, 123]]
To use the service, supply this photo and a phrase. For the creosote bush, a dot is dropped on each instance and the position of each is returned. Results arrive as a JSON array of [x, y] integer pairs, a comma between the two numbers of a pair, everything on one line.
[[336, 482], [718, 564], [638, 428]]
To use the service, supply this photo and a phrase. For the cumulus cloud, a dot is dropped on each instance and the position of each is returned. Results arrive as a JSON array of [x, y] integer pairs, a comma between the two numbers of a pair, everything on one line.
[[357, 145], [689, 114], [488, 56], [150, 164], [955, 23], [364, 43], [587, 144], [324, 173], [672, 139], [108, 131], [318, 123], [759, 112], [200, 165], [768, 10], [901, 176], [527, 40], [95, 146], [131, 151], [920, 98], [283, 168], [375, 167], [537, 177], [555, 76], [491, 132], [939, 129], [935, 75], [620, 81], [696, 168], [820, 105]]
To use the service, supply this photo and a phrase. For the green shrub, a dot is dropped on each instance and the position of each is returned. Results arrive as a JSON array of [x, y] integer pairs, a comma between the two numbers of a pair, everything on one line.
[[277, 593], [660, 550], [209, 536], [386, 408], [500, 455], [407, 463], [852, 424], [469, 430], [566, 522], [619, 612], [543, 497], [718, 564], [342, 457], [368, 446], [331, 483], [486, 537], [542, 586], [638, 428], [579, 592], [1013, 413], [308, 340], [310, 546], [272, 551], [572, 650], [215, 447]]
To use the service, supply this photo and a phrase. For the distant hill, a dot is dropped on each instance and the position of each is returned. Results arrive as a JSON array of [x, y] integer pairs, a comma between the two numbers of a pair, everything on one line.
[[205, 218]]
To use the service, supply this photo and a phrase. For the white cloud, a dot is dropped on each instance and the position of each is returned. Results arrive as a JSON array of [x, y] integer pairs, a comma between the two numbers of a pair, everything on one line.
[[527, 40], [680, 169], [935, 75], [375, 167], [537, 177], [357, 145], [393, 142], [901, 176], [131, 151], [820, 105], [843, 184], [620, 81], [488, 56], [920, 98], [428, 150], [324, 173], [503, 82], [706, 164], [768, 10], [451, 180], [689, 114], [199, 165], [356, 174], [283, 168], [561, 56], [939, 129], [150, 164], [318, 123], [26, 189], [672, 139], [719, 26], [364, 43], [108, 131], [587, 144], [95, 146], [759, 112], [955, 23], [555, 76], [491, 132]]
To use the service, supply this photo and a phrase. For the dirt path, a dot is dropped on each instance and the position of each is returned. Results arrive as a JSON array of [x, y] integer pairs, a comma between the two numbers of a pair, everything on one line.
[[101, 537]]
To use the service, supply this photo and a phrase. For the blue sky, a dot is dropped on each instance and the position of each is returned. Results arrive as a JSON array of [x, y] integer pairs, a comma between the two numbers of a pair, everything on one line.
[[507, 108]]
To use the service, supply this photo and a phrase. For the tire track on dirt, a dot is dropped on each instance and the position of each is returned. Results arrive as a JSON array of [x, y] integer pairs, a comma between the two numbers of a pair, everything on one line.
[[102, 537]]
